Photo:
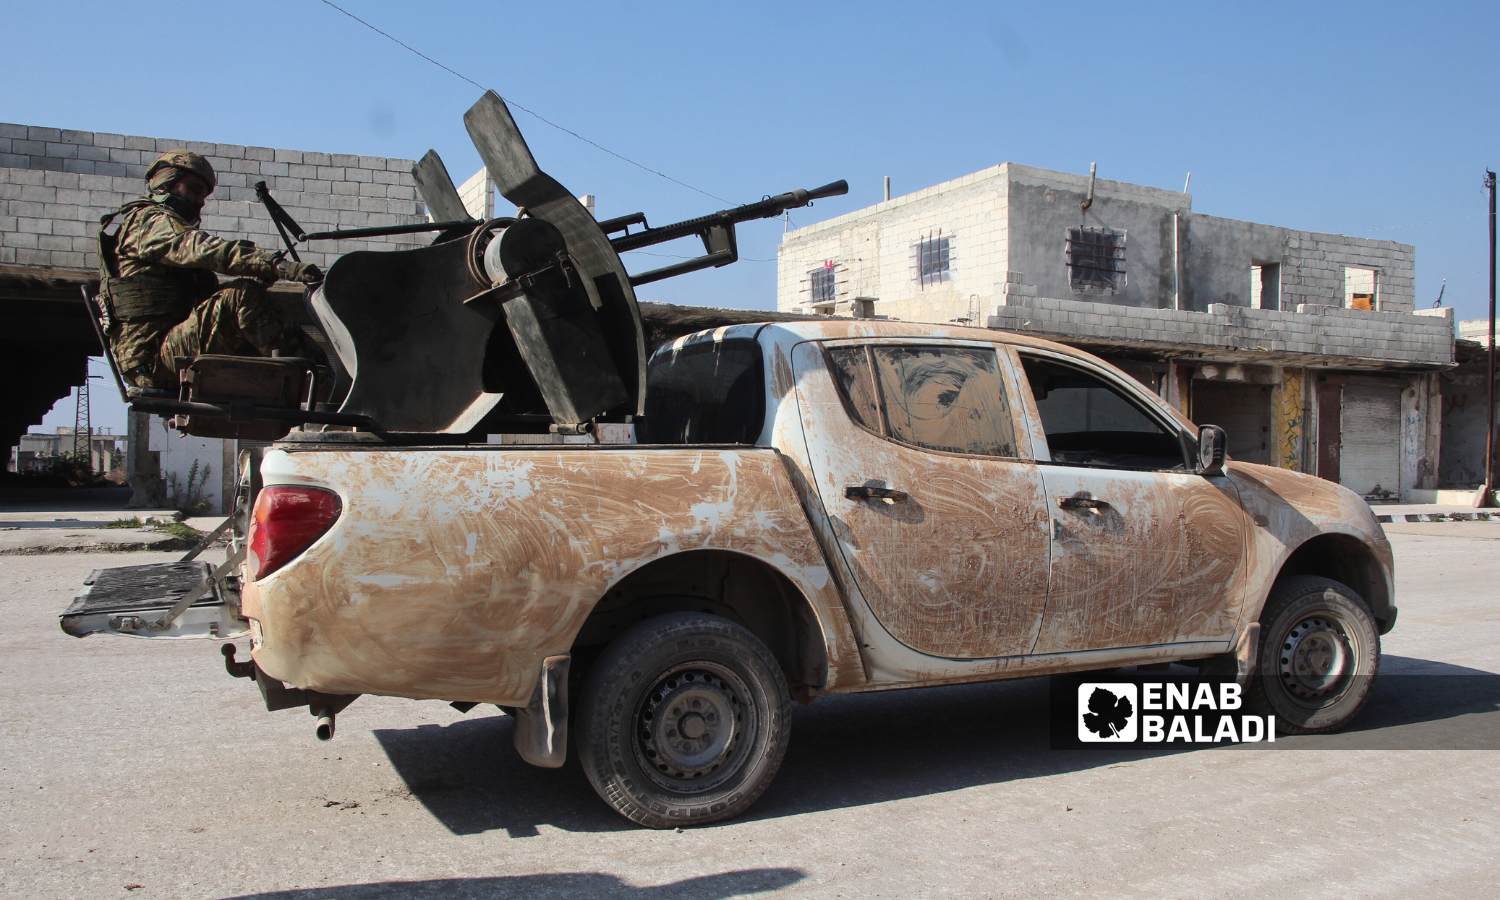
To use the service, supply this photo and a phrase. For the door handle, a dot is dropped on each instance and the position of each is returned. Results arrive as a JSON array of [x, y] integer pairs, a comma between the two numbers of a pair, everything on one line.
[[1083, 502], [870, 492]]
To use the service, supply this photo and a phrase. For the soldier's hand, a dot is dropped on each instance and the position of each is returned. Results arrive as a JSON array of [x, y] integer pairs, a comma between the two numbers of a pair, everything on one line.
[[307, 273]]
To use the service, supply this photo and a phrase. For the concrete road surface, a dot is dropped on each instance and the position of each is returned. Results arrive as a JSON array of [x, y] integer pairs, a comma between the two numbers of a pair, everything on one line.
[[134, 768]]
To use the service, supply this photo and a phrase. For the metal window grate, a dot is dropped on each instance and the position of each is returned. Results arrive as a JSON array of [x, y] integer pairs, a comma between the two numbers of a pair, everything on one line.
[[933, 257], [1096, 258], [823, 283]]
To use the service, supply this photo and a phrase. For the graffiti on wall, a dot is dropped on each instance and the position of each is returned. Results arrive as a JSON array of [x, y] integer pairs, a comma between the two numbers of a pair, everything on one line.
[[1289, 419]]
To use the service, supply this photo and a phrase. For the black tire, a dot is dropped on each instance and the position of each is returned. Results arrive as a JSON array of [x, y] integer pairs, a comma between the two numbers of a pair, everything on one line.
[[684, 720], [1319, 654]]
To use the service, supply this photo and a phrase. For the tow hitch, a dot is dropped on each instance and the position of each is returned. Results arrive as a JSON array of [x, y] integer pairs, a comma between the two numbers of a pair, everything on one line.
[[323, 707]]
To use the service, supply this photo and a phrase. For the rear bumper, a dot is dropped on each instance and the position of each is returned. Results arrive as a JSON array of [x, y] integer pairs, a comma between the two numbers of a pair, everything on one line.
[[334, 645]]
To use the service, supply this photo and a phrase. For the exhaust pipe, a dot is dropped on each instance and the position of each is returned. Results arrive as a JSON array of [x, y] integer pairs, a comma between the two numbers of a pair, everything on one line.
[[324, 728]]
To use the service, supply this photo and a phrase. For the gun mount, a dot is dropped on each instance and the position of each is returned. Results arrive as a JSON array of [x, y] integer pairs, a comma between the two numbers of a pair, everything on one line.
[[523, 323]]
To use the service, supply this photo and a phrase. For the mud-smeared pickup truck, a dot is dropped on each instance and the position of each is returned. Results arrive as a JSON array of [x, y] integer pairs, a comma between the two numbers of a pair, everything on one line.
[[807, 508]]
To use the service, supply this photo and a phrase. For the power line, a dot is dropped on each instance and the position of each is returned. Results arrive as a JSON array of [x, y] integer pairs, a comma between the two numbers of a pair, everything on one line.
[[454, 72], [677, 256]]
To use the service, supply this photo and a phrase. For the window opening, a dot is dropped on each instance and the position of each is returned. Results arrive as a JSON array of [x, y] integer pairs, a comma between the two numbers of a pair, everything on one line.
[[1265, 285], [823, 283], [934, 256], [1361, 288], [1096, 258]]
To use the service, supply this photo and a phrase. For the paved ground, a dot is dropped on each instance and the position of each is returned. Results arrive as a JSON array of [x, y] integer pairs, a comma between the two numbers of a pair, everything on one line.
[[137, 768], [50, 526], [1433, 512]]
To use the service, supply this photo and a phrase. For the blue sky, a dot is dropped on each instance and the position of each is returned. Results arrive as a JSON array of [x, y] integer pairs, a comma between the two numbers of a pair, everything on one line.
[[1347, 118]]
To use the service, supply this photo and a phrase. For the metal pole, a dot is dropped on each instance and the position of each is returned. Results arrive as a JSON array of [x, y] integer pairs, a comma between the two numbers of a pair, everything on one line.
[[1487, 498]]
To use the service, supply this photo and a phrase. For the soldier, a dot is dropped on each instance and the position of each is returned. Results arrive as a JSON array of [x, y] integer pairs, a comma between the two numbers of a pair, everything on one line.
[[157, 286]]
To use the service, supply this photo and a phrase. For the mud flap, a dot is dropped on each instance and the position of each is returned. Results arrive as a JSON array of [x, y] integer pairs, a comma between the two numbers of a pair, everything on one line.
[[161, 600], [1246, 652], [541, 735]]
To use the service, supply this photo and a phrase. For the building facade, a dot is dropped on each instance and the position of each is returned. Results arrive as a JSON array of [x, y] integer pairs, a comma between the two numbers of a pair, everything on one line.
[[37, 451], [55, 183], [1305, 347]]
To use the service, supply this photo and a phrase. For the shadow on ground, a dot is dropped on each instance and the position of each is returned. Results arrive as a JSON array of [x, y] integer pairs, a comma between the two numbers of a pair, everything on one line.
[[570, 884], [864, 749], [17, 497]]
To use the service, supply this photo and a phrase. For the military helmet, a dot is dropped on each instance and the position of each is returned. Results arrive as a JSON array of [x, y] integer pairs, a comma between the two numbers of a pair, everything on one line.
[[162, 172]]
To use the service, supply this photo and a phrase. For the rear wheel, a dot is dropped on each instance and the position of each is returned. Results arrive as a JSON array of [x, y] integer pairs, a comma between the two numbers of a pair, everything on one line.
[[1318, 657], [684, 720]]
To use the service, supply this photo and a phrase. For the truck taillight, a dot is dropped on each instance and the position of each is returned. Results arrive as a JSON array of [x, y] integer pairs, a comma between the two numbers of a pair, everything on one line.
[[287, 519]]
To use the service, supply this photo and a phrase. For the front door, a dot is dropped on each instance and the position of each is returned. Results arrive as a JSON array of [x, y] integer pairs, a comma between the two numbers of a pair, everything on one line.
[[1143, 551], [941, 522]]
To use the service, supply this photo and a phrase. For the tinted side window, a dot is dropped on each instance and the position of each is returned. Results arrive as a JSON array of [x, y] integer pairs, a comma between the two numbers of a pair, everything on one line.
[[851, 369], [1090, 423], [945, 398], [938, 398]]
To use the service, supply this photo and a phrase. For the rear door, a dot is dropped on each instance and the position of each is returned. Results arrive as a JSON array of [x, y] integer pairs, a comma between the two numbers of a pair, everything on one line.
[[1144, 552], [941, 522]]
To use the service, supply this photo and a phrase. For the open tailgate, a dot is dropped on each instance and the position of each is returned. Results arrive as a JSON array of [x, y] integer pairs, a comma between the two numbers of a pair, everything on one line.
[[140, 601]]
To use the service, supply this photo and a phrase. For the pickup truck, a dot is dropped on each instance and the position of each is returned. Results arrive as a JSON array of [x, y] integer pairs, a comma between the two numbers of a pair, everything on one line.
[[806, 508]]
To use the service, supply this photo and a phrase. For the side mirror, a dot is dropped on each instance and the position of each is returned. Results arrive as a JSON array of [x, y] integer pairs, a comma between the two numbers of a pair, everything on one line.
[[1211, 440]]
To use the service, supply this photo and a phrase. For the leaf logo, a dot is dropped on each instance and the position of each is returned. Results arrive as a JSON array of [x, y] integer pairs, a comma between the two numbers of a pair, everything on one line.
[[1107, 712]]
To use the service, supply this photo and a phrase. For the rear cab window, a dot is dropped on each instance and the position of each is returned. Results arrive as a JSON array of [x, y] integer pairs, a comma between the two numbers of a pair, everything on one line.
[[708, 392]]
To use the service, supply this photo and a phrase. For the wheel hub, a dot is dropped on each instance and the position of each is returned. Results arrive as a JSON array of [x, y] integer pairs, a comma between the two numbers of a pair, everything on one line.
[[690, 727], [1316, 659]]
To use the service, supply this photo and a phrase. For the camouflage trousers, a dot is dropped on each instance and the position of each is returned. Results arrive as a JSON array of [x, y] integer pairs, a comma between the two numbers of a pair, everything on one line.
[[237, 320]]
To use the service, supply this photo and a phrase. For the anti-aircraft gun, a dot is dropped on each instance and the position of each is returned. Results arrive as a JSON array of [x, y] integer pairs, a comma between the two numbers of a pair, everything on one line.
[[520, 323]]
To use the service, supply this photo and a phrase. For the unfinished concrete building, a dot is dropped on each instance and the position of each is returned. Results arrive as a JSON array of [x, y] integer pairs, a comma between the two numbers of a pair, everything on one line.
[[55, 183], [1305, 347]]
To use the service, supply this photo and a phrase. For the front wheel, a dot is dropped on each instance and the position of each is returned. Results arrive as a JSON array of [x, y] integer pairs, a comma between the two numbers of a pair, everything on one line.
[[1318, 657], [684, 720]]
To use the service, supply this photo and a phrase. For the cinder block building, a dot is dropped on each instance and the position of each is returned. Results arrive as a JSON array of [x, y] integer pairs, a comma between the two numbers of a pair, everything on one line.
[[55, 183], [1305, 347]]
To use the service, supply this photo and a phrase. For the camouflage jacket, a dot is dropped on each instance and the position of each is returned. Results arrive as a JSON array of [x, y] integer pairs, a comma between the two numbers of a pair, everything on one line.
[[155, 269]]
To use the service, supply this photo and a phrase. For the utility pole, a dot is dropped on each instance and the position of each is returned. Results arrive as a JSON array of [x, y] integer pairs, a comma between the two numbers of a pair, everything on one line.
[[83, 425], [1487, 496]]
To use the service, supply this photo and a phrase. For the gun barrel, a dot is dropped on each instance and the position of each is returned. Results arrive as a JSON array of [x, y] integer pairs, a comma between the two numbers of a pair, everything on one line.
[[761, 209], [831, 189]]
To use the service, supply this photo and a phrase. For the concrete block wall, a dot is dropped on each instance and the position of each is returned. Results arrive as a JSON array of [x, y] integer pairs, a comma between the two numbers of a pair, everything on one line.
[[1045, 206], [1424, 338], [875, 251], [1475, 330], [55, 184], [1008, 226], [1313, 273], [795, 263], [478, 195]]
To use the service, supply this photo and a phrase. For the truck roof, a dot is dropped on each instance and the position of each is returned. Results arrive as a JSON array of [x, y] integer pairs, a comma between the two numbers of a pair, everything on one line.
[[836, 329]]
